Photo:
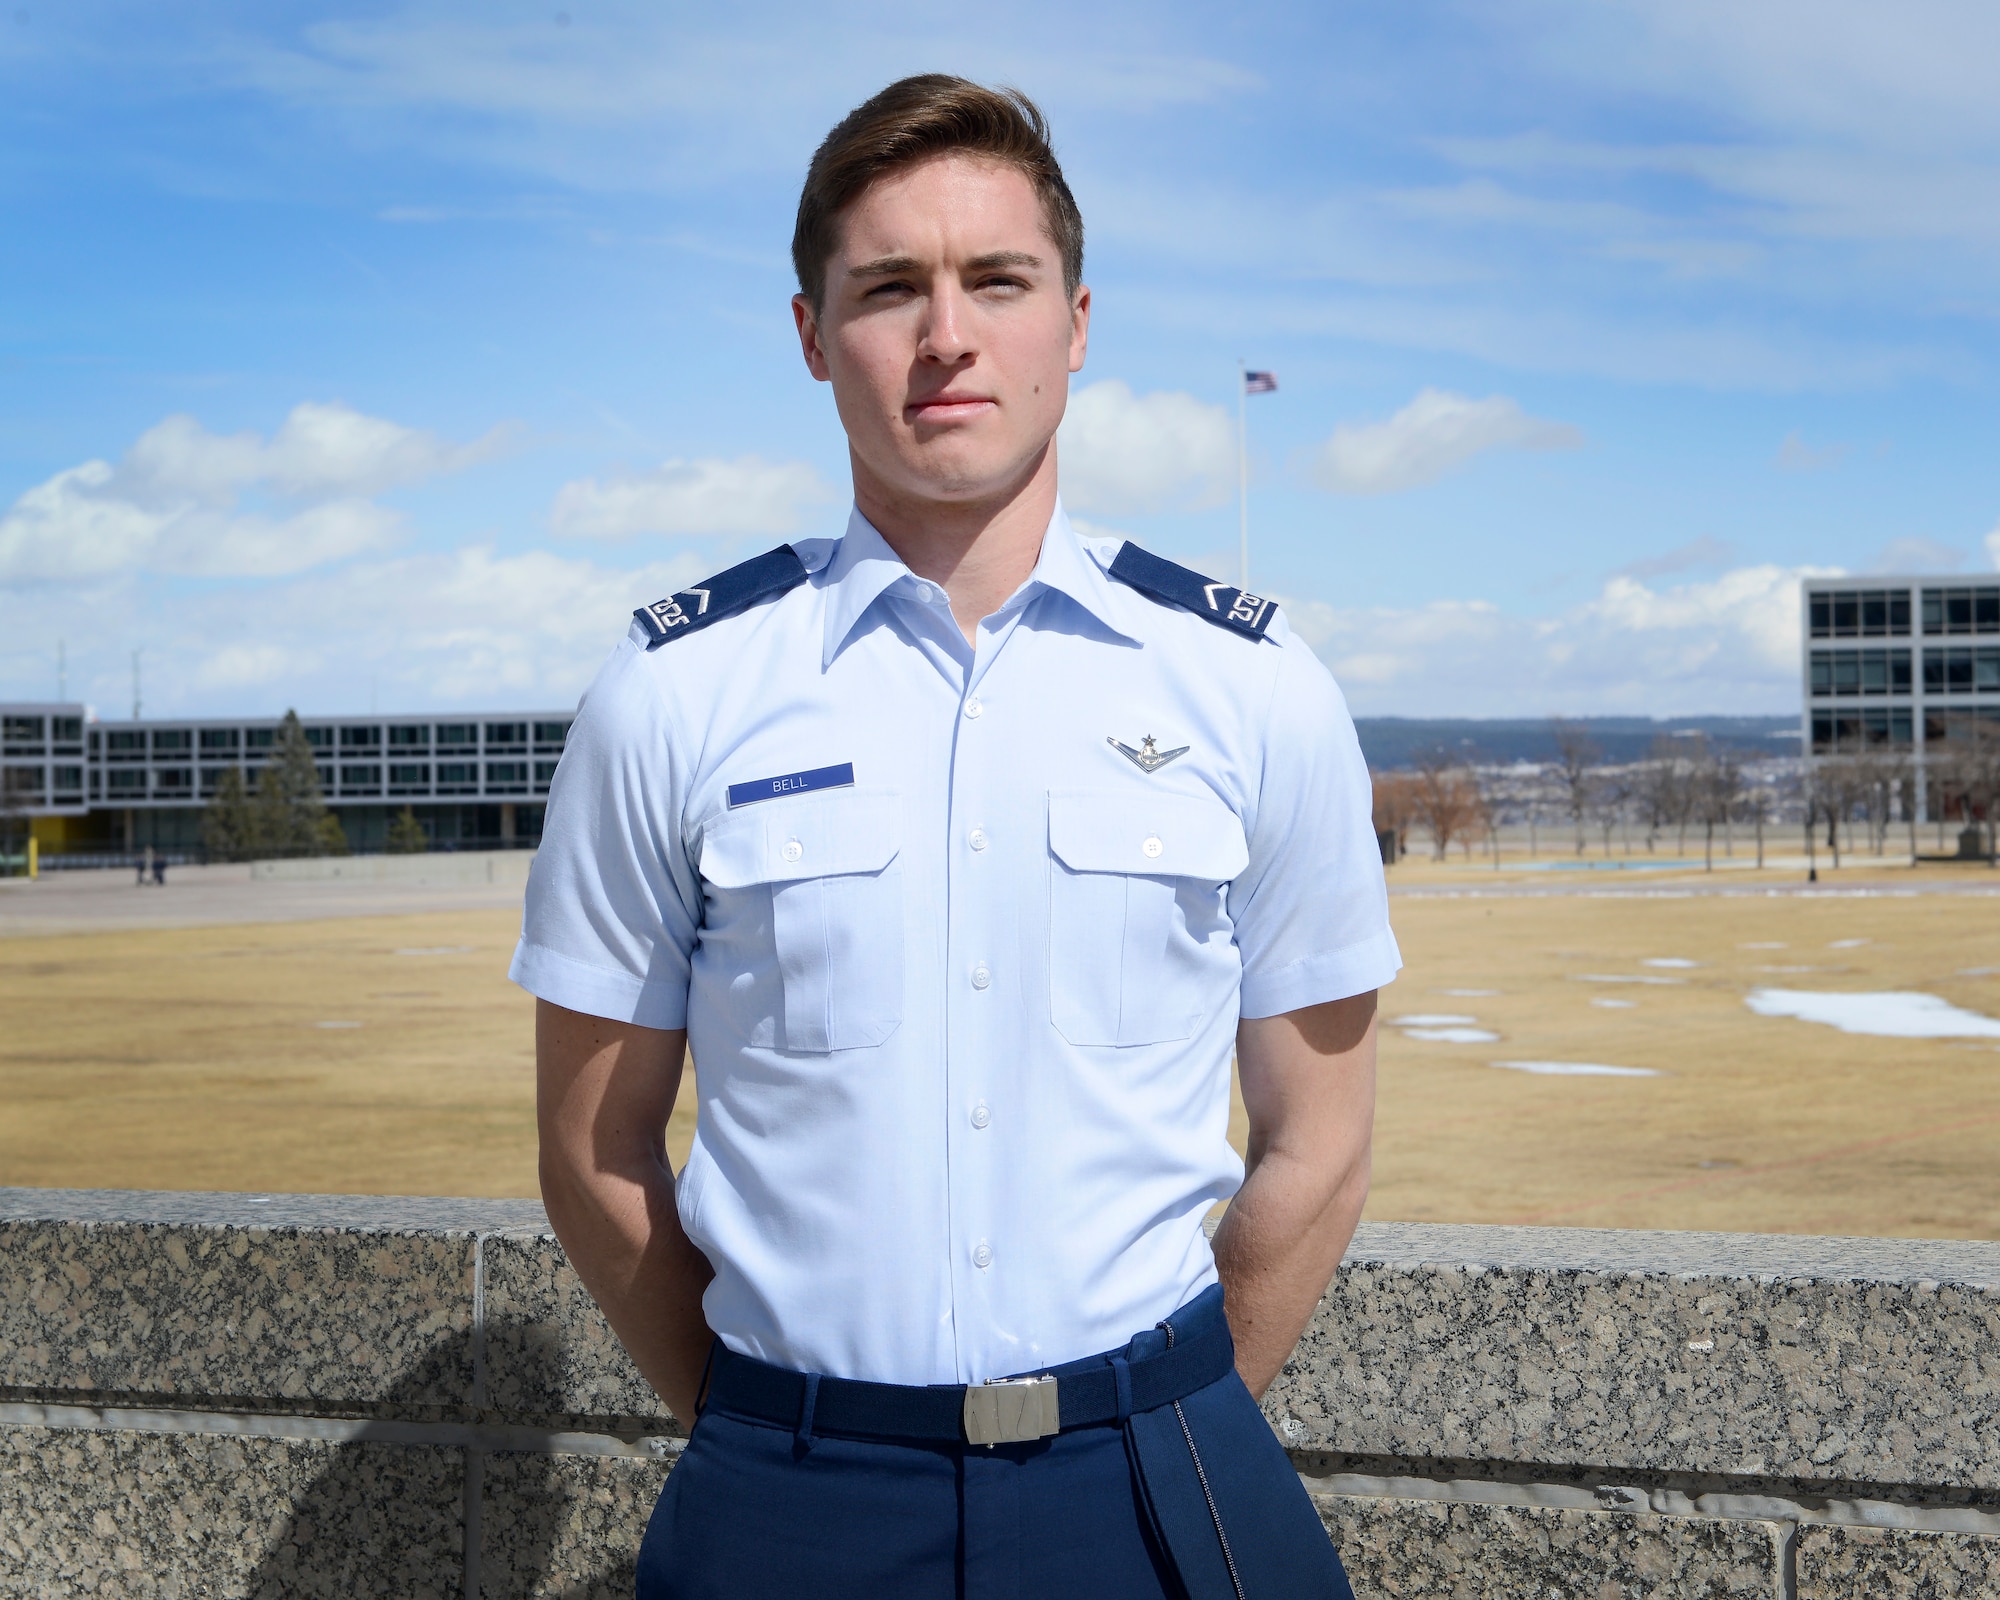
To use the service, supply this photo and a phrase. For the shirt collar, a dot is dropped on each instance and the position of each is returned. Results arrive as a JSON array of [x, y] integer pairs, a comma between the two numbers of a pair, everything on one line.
[[864, 568]]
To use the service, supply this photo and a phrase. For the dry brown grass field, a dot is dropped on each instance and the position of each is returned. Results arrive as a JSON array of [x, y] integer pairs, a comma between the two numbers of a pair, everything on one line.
[[388, 1054]]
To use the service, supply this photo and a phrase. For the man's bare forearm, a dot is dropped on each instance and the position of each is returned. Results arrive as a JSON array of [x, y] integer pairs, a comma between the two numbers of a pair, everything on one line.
[[605, 1091], [1309, 1084]]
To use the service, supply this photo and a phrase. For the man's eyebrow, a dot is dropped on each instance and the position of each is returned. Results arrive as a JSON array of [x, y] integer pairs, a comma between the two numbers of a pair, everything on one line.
[[895, 266], [1005, 258], [884, 267]]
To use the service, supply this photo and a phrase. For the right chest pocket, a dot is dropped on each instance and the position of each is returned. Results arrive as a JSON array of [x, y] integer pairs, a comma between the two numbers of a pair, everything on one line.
[[828, 863]]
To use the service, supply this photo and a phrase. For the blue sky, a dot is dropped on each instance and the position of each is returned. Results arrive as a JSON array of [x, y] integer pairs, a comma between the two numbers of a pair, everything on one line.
[[390, 354]]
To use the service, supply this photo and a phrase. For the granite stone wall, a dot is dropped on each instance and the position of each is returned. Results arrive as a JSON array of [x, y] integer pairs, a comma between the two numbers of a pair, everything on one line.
[[284, 1395]]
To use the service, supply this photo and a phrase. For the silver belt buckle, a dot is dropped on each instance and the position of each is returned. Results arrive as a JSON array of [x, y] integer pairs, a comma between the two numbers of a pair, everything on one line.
[[1012, 1410]]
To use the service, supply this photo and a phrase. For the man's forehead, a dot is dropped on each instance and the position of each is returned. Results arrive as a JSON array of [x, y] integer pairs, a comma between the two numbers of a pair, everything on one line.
[[953, 204]]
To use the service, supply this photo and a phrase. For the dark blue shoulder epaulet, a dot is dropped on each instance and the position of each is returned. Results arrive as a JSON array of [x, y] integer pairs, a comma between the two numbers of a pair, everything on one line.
[[723, 595], [1235, 609]]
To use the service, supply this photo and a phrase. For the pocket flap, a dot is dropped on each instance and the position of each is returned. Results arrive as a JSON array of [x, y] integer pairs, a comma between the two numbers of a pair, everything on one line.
[[808, 836], [1157, 835]]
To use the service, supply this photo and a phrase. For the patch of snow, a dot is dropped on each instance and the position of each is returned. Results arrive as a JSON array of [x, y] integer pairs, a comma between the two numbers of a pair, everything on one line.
[[1430, 1019], [1788, 969], [1452, 1035], [1848, 944], [1885, 1014], [1763, 944], [1626, 977], [1575, 1069], [1615, 1005], [1468, 994], [1668, 961], [336, 1024]]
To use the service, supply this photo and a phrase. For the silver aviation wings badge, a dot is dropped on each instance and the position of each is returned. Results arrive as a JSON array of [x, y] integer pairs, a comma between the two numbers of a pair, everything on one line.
[[1148, 757]]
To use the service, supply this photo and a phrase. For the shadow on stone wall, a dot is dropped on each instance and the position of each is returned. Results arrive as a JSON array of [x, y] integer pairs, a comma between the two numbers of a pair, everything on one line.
[[374, 1518]]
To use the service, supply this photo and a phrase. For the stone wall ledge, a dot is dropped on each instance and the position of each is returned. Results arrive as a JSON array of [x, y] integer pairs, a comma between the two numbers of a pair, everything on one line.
[[359, 1395]]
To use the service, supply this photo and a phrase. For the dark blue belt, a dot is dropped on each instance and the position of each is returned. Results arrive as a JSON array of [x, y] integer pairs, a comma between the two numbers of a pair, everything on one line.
[[1099, 1389]]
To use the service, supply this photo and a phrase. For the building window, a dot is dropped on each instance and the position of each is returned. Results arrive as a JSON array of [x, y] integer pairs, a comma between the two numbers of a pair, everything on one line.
[[550, 735], [211, 779], [360, 738], [69, 780], [325, 776], [405, 737], [457, 777], [260, 738], [1845, 672], [218, 739], [1859, 613], [506, 777], [409, 777], [545, 772], [128, 780], [506, 736], [1960, 669], [66, 730], [21, 730], [172, 741], [125, 744], [368, 778], [23, 782], [1961, 724], [1966, 610], [458, 733], [1861, 728], [319, 738], [173, 781]]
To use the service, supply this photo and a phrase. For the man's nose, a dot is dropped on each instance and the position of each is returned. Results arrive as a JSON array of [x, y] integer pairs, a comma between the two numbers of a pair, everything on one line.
[[947, 333]]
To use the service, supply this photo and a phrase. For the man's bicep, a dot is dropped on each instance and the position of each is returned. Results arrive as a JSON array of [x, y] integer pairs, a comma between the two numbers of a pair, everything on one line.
[[602, 1085], [1310, 1071]]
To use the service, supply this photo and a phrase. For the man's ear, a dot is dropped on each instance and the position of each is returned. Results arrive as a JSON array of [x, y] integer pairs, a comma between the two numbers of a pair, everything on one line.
[[1079, 328], [806, 320]]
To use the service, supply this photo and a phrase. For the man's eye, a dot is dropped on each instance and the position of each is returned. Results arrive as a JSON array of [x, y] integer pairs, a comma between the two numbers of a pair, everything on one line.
[[893, 287]]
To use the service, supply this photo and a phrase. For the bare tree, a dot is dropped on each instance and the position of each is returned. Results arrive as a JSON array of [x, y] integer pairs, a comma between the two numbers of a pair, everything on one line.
[[1608, 797], [1395, 807], [1445, 799], [1576, 759]]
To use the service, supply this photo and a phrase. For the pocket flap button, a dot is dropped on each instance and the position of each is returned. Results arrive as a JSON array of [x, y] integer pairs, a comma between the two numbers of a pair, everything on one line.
[[793, 850], [1153, 847]]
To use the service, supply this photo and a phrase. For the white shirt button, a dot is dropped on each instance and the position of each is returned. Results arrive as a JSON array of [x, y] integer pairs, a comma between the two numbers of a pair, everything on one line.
[[973, 707], [982, 1254], [981, 1115], [980, 976], [1152, 847], [977, 838], [793, 850]]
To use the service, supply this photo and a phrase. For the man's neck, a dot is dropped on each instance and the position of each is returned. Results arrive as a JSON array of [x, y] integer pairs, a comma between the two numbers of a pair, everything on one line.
[[979, 552]]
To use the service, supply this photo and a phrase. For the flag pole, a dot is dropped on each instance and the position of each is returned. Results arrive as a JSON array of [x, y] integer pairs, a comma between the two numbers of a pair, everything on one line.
[[1242, 477]]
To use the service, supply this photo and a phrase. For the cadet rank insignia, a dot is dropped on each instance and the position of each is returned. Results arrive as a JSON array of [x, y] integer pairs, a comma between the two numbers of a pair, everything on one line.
[[723, 595], [1149, 757], [1235, 609]]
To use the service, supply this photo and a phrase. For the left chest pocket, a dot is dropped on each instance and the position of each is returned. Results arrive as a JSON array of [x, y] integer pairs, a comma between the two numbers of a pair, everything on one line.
[[1135, 913], [829, 864]]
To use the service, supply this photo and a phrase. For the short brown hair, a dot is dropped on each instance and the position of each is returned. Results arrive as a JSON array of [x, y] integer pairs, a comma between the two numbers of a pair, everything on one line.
[[932, 114]]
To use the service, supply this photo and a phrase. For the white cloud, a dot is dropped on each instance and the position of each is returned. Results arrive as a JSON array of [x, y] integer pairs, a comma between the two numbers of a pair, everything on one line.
[[1795, 455], [173, 503], [1915, 553], [746, 496], [1730, 644], [1434, 434], [1993, 547], [1123, 453]]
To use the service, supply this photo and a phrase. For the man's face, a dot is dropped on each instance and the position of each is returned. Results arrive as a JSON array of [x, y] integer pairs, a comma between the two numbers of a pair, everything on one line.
[[946, 333]]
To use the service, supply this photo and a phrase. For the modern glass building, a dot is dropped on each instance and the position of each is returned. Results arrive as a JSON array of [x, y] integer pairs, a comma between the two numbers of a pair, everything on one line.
[[1910, 664], [472, 779]]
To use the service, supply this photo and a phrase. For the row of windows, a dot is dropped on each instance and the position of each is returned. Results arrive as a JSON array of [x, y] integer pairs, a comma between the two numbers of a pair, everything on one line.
[[1951, 669], [36, 730], [1877, 726], [26, 783], [132, 744], [414, 777], [1885, 613]]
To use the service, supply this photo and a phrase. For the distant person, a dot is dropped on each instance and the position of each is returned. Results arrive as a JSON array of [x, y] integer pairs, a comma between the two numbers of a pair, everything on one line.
[[145, 866], [963, 849], [160, 871]]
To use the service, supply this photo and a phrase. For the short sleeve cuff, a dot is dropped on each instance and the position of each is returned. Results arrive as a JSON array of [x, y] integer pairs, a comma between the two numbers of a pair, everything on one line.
[[1333, 975], [596, 991]]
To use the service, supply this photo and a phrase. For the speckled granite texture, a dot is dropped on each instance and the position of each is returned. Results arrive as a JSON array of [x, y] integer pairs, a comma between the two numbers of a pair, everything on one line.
[[1478, 1552], [1884, 1564], [548, 1347], [1439, 1343], [564, 1527], [265, 1519]]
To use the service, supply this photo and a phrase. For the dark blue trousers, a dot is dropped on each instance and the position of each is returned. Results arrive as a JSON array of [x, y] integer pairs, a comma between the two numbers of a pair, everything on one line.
[[1192, 1501]]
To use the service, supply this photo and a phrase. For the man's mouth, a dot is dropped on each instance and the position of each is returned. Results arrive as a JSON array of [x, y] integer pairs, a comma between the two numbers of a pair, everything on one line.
[[948, 407]]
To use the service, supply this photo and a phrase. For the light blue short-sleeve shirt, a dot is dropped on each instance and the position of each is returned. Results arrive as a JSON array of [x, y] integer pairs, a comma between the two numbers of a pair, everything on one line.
[[961, 1016]]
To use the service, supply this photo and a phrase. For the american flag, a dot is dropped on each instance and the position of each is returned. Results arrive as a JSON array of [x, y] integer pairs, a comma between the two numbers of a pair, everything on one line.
[[1260, 383]]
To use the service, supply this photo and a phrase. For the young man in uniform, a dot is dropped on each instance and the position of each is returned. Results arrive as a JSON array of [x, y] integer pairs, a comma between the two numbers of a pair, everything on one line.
[[961, 850]]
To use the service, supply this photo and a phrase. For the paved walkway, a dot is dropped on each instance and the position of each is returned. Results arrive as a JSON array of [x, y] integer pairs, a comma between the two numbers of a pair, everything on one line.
[[109, 901]]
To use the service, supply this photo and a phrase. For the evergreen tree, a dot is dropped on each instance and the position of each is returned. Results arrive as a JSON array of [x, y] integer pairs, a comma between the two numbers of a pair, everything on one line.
[[227, 826], [290, 817], [406, 834]]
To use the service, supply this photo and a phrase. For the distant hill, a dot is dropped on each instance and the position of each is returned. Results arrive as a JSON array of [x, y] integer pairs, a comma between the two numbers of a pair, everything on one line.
[[1398, 741]]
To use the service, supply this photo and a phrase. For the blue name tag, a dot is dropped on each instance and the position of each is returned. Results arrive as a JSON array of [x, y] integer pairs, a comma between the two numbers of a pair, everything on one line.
[[840, 777]]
